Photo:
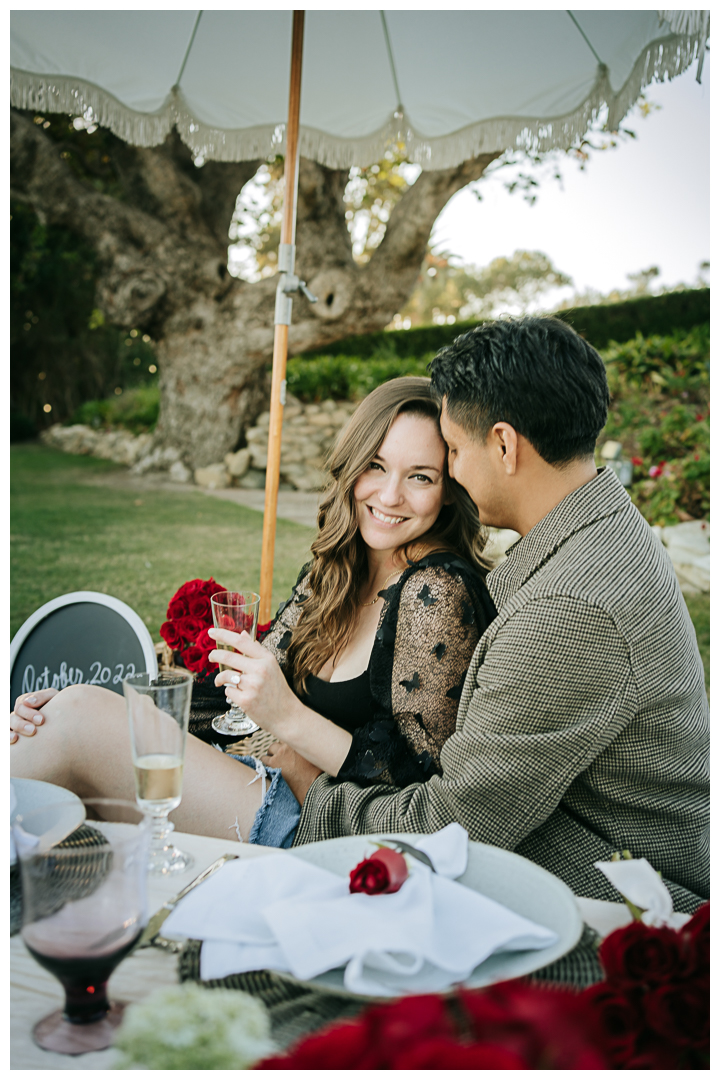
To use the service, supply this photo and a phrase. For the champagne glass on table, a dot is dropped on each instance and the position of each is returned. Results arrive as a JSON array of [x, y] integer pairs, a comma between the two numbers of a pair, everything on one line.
[[235, 611], [159, 711], [84, 909]]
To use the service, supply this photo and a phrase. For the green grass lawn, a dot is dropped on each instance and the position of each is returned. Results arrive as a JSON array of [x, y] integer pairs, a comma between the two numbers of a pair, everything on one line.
[[70, 532]]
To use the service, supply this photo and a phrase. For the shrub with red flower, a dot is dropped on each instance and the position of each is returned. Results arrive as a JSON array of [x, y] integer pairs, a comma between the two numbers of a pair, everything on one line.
[[509, 1026], [189, 616], [655, 1002]]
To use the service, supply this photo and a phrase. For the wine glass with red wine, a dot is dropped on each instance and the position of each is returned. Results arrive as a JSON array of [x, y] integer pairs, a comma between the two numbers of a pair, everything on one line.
[[84, 909], [236, 611]]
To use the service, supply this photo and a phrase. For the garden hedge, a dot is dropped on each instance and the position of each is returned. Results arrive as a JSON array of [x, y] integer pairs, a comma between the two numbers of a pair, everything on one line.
[[599, 323]]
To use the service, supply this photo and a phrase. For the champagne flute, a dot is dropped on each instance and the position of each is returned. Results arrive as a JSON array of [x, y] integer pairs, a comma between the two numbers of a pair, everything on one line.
[[84, 909], [159, 712], [236, 611]]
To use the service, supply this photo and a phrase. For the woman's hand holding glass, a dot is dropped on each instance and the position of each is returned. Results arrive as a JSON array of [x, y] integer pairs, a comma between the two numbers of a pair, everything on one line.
[[255, 682]]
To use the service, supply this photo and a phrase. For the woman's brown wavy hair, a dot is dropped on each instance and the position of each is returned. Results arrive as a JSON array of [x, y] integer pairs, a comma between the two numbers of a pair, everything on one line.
[[340, 567]]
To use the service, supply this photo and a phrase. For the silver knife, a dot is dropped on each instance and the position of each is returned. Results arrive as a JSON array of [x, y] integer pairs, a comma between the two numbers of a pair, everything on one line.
[[153, 927], [408, 849]]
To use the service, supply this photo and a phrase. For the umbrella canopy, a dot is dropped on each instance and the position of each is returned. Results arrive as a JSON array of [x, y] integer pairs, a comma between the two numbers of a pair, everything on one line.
[[449, 84]]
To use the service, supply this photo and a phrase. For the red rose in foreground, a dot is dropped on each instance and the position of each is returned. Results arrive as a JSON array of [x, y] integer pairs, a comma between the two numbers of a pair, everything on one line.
[[170, 635], [430, 1031], [546, 1027], [448, 1054], [638, 955], [680, 1012], [696, 938], [384, 872], [620, 1018], [342, 1046]]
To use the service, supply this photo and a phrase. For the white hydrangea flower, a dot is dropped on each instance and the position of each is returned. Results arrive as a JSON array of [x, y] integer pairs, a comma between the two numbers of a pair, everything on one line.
[[191, 1027]]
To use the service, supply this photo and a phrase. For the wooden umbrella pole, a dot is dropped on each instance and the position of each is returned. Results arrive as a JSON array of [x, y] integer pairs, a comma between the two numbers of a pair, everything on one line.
[[283, 307]]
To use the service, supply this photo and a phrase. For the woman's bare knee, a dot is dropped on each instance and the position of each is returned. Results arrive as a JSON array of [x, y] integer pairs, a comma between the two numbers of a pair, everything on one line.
[[82, 704]]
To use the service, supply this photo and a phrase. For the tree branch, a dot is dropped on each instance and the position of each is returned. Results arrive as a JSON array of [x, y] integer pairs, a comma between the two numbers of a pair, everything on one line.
[[403, 247]]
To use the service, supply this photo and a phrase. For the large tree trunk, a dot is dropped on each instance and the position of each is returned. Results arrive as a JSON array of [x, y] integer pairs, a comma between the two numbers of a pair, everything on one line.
[[162, 251]]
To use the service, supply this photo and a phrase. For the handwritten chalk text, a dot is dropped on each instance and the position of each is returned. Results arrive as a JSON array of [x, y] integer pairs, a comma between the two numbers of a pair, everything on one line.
[[72, 676]]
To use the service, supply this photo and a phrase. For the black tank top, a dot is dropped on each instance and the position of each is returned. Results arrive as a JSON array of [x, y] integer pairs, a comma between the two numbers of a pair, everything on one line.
[[348, 704]]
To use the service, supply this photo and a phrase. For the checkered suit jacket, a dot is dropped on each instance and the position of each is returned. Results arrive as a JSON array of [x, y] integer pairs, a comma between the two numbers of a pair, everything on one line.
[[583, 722]]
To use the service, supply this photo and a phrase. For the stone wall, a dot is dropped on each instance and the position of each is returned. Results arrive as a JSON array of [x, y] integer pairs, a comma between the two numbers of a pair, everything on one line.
[[309, 432], [120, 446]]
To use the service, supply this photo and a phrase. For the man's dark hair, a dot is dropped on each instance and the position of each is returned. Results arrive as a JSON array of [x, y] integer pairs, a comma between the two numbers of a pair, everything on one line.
[[535, 373]]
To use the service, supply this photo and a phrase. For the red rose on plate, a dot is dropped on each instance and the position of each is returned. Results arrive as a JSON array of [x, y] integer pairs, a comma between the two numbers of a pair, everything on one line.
[[384, 872], [169, 634], [641, 955]]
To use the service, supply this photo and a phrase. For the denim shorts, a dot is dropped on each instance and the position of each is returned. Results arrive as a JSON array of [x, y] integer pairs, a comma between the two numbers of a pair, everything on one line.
[[277, 819]]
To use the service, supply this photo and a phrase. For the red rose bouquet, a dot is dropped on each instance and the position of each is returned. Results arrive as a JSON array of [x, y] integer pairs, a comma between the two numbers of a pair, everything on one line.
[[189, 616], [655, 1002]]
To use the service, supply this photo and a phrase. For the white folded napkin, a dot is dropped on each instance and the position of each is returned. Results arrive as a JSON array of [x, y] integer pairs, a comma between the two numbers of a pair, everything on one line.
[[636, 880], [282, 913], [18, 837]]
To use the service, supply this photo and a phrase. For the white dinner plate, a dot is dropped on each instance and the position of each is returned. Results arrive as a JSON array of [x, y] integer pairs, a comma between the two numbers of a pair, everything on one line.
[[65, 811], [509, 879]]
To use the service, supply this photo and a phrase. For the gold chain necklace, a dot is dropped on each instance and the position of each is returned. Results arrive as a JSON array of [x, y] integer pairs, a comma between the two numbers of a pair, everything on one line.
[[392, 574]]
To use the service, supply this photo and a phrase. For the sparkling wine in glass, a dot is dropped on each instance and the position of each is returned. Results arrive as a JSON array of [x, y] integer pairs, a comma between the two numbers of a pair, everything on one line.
[[158, 711], [84, 909], [236, 611]]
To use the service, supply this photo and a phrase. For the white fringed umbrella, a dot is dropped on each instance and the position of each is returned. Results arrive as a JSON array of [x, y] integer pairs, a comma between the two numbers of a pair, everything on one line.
[[449, 85]]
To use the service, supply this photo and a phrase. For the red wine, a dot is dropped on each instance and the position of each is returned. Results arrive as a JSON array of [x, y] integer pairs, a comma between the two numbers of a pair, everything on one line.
[[84, 979]]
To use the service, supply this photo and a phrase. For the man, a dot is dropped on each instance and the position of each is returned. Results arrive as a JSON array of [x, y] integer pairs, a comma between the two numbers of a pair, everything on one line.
[[583, 723]]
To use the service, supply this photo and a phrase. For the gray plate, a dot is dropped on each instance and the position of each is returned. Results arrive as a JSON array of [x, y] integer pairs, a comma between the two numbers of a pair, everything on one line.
[[509, 879]]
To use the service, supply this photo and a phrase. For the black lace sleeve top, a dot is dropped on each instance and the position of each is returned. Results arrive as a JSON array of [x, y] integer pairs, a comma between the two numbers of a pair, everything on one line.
[[431, 621]]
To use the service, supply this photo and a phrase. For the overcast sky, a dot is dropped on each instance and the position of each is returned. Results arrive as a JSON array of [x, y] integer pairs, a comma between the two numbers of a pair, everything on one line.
[[644, 203]]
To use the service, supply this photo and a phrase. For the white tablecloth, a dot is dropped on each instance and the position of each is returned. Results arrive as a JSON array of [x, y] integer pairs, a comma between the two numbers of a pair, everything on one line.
[[34, 992]]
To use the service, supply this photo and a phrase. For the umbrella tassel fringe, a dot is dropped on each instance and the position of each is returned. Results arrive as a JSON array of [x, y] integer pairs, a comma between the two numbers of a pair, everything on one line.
[[661, 60]]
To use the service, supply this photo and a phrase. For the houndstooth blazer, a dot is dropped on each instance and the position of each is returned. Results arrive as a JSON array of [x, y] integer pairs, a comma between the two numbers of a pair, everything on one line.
[[583, 722]]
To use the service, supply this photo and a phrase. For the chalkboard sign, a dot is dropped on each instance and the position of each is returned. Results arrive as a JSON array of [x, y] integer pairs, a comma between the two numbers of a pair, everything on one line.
[[82, 637]]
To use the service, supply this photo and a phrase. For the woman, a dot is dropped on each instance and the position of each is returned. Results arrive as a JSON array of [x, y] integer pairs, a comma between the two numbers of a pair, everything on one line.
[[363, 690]]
